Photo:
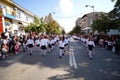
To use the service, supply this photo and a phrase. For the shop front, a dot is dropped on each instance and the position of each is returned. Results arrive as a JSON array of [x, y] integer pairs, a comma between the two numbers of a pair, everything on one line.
[[87, 30], [8, 25]]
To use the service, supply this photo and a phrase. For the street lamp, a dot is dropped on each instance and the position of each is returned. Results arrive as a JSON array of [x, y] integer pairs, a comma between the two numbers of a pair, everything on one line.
[[93, 11], [91, 7]]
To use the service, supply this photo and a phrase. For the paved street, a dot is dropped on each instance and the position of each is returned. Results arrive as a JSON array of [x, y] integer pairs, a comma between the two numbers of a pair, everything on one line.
[[74, 65]]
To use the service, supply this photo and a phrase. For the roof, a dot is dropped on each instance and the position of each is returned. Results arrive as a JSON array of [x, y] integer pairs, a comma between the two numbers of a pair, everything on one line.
[[20, 7]]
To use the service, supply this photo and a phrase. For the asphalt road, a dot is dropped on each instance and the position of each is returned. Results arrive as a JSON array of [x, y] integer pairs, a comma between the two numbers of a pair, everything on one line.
[[74, 65]]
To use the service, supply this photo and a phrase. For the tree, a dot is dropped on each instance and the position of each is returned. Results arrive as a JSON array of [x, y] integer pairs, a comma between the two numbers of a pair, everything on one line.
[[110, 21], [102, 24], [115, 15], [75, 30], [53, 27], [37, 26]]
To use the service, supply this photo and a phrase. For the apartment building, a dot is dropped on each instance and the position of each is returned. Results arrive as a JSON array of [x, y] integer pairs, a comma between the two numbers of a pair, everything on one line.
[[86, 20], [13, 17]]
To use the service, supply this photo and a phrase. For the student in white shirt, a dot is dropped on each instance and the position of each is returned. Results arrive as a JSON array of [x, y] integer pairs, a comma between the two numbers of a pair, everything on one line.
[[90, 44], [50, 44], [37, 43], [53, 42], [43, 45], [66, 42], [30, 44], [61, 46]]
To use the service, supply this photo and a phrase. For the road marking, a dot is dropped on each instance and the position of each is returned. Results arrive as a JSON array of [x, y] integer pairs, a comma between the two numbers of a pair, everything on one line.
[[72, 60]]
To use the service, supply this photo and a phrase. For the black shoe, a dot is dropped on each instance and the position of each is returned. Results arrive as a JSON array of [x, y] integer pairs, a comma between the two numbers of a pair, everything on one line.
[[91, 58], [60, 57], [30, 54], [43, 55], [63, 54]]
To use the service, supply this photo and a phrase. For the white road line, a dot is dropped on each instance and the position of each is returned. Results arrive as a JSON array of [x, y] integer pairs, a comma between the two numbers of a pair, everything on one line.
[[72, 60]]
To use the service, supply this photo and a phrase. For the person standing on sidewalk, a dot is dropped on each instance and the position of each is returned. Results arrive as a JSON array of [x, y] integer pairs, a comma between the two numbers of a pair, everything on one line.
[[4, 51], [91, 45]]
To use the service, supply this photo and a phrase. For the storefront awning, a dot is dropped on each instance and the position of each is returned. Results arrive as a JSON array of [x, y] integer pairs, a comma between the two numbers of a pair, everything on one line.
[[113, 32], [87, 28]]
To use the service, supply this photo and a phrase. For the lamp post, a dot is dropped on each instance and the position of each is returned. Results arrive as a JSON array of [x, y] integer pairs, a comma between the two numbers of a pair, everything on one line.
[[91, 7], [93, 12]]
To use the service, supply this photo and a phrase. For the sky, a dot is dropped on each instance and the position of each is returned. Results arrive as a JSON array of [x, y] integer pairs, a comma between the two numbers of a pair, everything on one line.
[[65, 12]]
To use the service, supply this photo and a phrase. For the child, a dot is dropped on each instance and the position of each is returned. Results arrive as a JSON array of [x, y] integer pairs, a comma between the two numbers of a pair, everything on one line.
[[90, 44], [17, 48], [24, 47], [30, 44], [61, 46], [4, 51], [43, 45]]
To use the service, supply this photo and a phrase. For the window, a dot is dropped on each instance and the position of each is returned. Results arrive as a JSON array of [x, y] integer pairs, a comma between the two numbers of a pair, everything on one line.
[[19, 15], [96, 15], [26, 18]]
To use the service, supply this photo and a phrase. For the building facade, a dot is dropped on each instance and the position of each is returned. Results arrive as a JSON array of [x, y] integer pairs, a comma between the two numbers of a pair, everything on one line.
[[86, 20], [13, 17]]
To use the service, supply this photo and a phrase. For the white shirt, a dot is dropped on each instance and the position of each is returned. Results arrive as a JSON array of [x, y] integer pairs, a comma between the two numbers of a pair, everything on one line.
[[5, 41], [61, 44], [4, 49], [52, 41], [43, 42], [37, 41], [66, 41], [30, 41], [90, 43]]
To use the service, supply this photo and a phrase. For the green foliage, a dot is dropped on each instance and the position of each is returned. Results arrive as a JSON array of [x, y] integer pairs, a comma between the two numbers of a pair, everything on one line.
[[105, 23], [102, 24], [112, 0], [75, 30], [40, 26], [53, 27], [37, 26], [115, 15]]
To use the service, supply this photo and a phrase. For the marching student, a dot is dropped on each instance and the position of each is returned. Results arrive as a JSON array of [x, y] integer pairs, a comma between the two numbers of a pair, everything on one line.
[[24, 46], [50, 44], [37, 43], [53, 42], [90, 44], [66, 42], [43, 45], [61, 46], [30, 44]]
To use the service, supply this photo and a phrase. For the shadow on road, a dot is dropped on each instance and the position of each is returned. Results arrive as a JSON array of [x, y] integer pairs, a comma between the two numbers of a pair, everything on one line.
[[105, 65]]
